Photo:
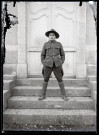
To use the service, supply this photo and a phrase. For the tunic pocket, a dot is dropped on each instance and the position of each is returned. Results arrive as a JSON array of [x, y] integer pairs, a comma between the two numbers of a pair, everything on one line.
[[57, 49], [48, 49]]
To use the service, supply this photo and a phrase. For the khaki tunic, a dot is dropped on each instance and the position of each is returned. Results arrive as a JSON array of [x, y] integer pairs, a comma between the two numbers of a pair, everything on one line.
[[52, 53]]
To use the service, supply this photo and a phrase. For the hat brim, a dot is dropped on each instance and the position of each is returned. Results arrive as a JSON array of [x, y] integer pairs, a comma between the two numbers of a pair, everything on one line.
[[48, 32]]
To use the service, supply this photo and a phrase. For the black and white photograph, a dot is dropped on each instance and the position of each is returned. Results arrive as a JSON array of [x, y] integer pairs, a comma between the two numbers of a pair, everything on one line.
[[49, 66]]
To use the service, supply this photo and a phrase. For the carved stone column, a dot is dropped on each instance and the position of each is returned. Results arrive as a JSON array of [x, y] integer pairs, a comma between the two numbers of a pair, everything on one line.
[[81, 44], [22, 61]]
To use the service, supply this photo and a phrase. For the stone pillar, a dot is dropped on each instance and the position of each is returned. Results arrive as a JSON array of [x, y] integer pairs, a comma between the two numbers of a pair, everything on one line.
[[91, 43], [81, 42], [22, 61]]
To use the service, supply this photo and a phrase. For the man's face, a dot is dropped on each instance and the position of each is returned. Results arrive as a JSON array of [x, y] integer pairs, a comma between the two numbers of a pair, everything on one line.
[[52, 36]]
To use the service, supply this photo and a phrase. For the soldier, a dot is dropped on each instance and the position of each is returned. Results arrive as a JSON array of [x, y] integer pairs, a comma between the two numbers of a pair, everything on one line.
[[52, 58]]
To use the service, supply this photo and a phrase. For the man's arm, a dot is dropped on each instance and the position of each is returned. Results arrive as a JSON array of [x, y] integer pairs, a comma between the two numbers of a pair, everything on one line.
[[43, 54], [62, 54]]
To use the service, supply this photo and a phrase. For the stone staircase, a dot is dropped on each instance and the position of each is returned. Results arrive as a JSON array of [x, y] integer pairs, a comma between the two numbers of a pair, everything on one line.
[[92, 80], [92, 84], [23, 106], [8, 84]]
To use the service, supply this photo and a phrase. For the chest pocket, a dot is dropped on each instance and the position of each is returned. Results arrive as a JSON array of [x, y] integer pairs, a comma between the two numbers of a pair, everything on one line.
[[57, 50], [48, 49]]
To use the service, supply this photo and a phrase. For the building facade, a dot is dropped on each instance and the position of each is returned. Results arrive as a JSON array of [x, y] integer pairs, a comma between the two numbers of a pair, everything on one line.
[[25, 40]]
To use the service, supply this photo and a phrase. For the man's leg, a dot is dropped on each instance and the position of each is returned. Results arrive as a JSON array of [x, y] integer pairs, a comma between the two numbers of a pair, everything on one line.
[[58, 72], [46, 73]]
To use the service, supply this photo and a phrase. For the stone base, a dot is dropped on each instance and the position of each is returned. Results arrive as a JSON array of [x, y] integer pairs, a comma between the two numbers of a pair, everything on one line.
[[80, 71], [6, 96], [91, 70], [22, 71], [9, 69]]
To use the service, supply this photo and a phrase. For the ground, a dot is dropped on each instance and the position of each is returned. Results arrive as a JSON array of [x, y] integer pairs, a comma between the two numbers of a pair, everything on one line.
[[48, 127]]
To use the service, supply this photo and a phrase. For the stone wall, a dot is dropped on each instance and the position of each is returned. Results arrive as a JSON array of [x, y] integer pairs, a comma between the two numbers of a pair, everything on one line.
[[15, 61], [11, 43], [91, 43]]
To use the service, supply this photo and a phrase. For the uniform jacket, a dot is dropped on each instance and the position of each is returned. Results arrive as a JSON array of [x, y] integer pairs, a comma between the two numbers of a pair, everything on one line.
[[52, 52]]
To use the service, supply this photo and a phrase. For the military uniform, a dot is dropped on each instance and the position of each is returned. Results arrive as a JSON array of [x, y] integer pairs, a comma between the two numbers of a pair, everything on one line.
[[52, 57]]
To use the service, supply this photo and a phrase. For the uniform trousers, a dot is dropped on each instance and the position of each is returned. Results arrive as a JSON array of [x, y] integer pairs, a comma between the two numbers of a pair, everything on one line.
[[58, 72]]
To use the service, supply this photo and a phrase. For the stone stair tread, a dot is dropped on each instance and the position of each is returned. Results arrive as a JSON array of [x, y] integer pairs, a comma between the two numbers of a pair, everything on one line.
[[92, 76], [52, 82], [49, 87], [54, 79], [51, 90], [93, 81], [7, 81], [48, 112], [32, 98], [4, 91], [8, 75]]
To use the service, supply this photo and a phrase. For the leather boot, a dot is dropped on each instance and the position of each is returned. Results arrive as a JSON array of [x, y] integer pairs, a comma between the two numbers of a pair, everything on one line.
[[61, 85], [43, 91]]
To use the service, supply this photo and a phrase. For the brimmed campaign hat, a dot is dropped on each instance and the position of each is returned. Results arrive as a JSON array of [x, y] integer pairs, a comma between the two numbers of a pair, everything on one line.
[[52, 31]]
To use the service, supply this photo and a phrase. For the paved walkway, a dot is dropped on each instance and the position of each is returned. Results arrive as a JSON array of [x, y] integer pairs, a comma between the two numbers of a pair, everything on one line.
[[47, 128]]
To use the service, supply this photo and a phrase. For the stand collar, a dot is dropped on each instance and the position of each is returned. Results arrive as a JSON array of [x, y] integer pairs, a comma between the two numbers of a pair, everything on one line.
[[53, 41]]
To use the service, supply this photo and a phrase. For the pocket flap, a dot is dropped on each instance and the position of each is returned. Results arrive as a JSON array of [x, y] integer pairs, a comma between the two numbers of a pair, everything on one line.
[[48, 46], [57, 47]]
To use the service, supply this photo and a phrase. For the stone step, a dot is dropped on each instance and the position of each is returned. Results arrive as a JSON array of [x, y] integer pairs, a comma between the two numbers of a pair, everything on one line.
[[49, 117], [10, 69], [6, 95], [8, 84], [92, 78], [52, 82], [17, 102], [91, 70], [93, 95], [93, 85], [51, 91], [9, 77]]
